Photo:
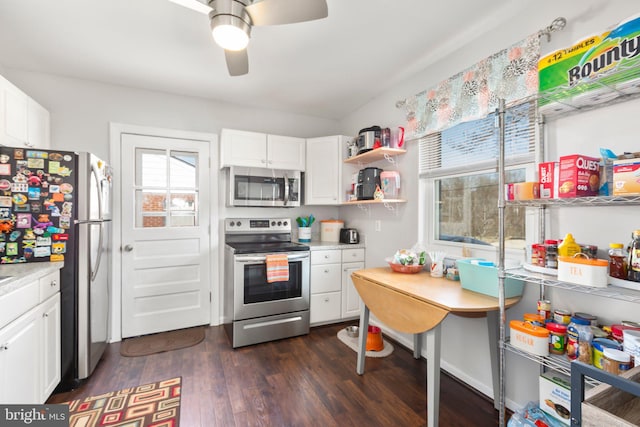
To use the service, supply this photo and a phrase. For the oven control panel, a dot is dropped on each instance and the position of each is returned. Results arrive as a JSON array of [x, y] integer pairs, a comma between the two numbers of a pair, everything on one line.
[[257, 225]]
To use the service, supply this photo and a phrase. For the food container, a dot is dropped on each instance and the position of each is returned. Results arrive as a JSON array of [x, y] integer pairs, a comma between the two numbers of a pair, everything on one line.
[[352, 331], [579, 176], [526, 190], [615, 361], [548, 179], [617, 331], [330, 230], [599, 344], [374, 339], [625, 177], [534, 319], [528, 337], [583, 271], [557, 337], [484, 279]]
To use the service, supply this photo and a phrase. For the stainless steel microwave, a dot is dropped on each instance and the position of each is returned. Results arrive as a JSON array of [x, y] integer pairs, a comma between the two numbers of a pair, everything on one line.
[[263, 187]]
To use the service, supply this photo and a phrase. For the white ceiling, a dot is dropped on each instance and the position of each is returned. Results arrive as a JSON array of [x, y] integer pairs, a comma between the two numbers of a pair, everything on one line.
[[325, 68]]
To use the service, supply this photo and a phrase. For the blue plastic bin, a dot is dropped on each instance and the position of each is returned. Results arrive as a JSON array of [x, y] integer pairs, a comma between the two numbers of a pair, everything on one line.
[[484, 279]]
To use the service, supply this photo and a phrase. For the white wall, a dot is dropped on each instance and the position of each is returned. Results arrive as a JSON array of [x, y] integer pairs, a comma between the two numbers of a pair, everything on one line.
[[464, 341]]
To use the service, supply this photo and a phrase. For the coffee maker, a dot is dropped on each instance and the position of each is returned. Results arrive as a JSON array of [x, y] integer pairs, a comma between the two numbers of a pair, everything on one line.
[[368, 181]]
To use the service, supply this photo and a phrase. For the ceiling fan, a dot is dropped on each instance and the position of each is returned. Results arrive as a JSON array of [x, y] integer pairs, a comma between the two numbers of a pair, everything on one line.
[[231, 22]]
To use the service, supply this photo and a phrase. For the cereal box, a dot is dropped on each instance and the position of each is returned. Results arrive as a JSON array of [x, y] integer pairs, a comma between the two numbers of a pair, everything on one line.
[[626, 177], [579, 176], [548, 180]]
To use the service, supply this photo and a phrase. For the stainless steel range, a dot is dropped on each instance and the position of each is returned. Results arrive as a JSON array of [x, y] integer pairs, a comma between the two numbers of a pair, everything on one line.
[[254, 310]]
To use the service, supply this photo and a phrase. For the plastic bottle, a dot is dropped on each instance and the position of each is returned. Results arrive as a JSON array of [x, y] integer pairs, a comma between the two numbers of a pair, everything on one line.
[[634, 258], [579, 337], [568, 247], [617, 261]]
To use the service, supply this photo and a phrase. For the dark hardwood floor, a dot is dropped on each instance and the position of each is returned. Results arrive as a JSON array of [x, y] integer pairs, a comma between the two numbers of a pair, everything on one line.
[[302, 381]]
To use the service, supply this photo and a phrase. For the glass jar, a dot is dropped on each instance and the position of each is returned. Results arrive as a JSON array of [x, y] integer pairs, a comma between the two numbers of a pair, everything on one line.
[[551, 254], [617, 261], [633, 273], [579, 337]]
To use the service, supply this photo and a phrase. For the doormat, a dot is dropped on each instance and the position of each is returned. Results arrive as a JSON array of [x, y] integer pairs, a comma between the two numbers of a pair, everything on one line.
[[163, 341], [156, 404], [352, 342]]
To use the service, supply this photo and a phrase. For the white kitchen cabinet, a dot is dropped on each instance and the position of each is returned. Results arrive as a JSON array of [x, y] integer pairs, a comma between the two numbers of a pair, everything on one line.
[[352, 260], [30, 346], [333, 296], [323, 175], [259, 150], [23, 122], [20, 356]]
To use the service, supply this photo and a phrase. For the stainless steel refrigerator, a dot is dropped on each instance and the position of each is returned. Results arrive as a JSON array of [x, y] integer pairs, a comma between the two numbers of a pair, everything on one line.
[[56, 206]]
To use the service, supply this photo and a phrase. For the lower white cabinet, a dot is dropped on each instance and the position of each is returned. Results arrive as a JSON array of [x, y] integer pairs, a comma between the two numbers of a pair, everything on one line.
[[30, 344], [333, 296]]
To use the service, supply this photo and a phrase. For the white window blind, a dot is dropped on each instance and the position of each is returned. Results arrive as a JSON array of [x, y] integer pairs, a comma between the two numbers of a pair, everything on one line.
[[474, 145]]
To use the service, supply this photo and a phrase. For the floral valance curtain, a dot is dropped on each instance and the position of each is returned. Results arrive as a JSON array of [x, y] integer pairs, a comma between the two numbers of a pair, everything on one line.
[[511, 74]]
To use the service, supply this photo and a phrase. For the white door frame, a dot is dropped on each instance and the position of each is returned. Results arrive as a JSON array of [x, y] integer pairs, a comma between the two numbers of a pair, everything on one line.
[[115, 130]]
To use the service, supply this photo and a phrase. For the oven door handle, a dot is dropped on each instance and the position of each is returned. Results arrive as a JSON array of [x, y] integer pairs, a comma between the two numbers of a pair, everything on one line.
[[250, 258]]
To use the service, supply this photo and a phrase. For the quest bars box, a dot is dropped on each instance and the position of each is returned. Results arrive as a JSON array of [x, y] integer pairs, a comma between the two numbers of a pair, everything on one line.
[[596, 69], [579, 176]]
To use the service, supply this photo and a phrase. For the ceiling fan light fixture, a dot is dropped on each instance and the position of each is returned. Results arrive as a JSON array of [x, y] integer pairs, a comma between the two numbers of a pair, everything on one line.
[[230, 32]]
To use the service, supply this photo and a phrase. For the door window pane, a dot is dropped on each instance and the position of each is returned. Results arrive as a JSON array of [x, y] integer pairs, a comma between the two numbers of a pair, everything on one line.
[[166, 188]]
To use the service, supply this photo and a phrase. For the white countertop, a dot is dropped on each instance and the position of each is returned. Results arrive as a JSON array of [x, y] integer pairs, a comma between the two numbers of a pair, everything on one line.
[[25, 273], [317, 245]]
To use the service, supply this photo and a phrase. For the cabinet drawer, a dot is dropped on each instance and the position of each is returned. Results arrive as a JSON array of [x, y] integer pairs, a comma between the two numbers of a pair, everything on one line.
[[326, 257], [49, 285], [325, 307], [15, 303], [325, 278], [352, 255]]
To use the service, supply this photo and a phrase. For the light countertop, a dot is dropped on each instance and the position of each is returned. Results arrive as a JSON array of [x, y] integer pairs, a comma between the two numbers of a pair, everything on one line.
[[25, 273], [317, 245]]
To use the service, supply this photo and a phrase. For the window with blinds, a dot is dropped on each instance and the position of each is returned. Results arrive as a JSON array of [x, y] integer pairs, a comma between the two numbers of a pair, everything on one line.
[[474, 145], [459, 165]]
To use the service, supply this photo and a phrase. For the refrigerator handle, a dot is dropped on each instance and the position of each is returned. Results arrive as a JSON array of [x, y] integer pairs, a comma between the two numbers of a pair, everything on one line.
[[99, 183], [94, 270]]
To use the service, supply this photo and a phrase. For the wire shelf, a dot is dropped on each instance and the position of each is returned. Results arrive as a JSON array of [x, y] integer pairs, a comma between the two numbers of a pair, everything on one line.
[[614, 292], [557, 362], [578, 201]]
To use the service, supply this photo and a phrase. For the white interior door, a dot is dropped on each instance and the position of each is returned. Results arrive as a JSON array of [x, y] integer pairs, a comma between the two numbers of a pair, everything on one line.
[[164, 234]]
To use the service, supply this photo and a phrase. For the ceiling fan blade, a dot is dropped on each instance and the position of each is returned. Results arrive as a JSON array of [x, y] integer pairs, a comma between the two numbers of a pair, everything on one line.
[[276, 12], [196, 5], [237, 62]]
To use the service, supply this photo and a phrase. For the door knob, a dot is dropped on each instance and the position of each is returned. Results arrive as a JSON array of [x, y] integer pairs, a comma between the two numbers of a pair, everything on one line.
[[128, 248]]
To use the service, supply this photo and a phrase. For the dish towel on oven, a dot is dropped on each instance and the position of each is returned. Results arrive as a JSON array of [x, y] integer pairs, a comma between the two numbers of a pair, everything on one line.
[[277, 268]]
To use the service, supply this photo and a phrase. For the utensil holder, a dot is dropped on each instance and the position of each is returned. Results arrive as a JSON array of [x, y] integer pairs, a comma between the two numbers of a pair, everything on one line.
[[304, 234]]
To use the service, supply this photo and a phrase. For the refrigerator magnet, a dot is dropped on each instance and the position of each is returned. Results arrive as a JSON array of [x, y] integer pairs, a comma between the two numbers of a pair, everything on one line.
[[5, 169], [5, 201], [18, 154], [58, 248], [12, 249], [35, 163], [56, 257], [40, 251], [4, 158], [23, 220]]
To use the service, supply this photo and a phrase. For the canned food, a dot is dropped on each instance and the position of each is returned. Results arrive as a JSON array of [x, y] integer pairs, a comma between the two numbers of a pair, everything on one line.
[[562, 317], [590, 317], [557, 338], [544, 308]]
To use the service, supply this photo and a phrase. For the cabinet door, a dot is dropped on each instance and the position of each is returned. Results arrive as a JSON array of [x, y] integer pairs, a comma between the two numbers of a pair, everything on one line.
[[13, 114], [242, 148], [351, 302], [285, 152], [51, 346], [324, 307], [325, 278], [323, 174], [38, 125], [20, 360]]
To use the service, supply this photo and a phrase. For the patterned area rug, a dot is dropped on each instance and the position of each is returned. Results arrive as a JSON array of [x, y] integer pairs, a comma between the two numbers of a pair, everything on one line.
[[352, 342], [163, 341], [149, 405]]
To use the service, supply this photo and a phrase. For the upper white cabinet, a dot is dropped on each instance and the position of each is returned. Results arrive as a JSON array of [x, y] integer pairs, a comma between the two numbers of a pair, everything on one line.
[[23, 122], [323, 176], [254, 149]]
